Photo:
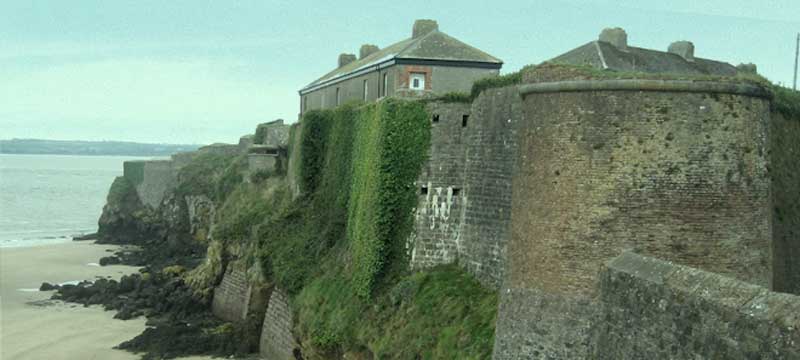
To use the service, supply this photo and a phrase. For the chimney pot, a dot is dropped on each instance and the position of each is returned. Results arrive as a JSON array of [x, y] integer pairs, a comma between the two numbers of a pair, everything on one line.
[[424, 26], [345, 59], [367, 50], [684, 49], [616, 37]]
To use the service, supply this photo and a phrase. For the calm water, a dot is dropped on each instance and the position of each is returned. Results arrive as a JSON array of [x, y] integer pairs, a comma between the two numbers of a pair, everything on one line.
[[48, 198]]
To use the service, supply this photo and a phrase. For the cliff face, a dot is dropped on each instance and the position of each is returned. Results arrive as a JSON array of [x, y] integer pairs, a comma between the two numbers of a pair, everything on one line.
[[125, 220]]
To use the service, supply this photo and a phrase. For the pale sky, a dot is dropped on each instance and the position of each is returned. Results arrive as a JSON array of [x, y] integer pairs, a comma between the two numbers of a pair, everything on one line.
[[209, 71]]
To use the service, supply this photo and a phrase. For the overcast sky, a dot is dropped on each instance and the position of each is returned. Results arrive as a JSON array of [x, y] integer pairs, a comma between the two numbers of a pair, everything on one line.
[[209, 71]]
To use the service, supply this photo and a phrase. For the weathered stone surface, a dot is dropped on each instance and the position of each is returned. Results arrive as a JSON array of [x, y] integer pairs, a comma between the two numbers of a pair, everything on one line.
[[532, 324], [277, 341], [679, 176], [785, 174], [465, 187], [274, 134], [152, 179], [658, 310], [440, 212], [261, 162], [491, 157], [232, 295]]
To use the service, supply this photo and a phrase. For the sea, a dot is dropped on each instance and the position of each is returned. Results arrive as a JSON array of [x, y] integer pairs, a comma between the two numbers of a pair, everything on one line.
[[47, 199]]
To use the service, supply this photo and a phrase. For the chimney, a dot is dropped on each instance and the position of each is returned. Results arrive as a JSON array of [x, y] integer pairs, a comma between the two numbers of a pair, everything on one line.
[[345, 59], [616, 37], [684, 49], [424, 26], [367, 50]]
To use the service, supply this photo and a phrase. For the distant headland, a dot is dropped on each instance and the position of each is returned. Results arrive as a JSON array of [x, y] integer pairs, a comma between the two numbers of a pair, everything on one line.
[[77, 147]]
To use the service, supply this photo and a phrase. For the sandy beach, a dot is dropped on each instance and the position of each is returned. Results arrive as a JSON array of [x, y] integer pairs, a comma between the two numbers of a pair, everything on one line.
[[31, 328]]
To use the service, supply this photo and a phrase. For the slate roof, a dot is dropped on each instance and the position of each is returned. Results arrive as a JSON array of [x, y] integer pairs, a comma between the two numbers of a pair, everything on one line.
[[435, 46], [598, 53]]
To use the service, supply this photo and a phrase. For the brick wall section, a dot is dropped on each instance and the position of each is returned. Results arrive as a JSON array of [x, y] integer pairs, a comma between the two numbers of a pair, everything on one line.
[[277, 341], [490, 160], [785, 173], [658, 310], [232, 296], [440, 212]]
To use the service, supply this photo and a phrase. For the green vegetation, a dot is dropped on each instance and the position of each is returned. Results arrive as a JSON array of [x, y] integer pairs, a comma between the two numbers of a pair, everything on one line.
[[211, 174], [119, 190], [786, 102], [441, 313], [339, 248], [481, 85]]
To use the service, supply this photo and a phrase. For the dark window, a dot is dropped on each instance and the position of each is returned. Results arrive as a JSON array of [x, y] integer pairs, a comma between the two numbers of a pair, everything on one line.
[[435, 118], [464, 119], [456, 191], [423, 190]]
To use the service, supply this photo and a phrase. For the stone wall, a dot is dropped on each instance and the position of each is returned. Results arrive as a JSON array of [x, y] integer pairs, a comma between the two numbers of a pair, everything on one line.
[[261, 162], [232, 295], [491, 156], [152, 179], [277, 341], [658, 310], [670, 172], [439, 217], [785, 172], [273, 134], [465, 187]]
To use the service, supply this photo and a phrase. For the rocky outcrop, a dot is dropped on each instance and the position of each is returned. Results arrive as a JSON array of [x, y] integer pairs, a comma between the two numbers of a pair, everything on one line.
[[125, 220]]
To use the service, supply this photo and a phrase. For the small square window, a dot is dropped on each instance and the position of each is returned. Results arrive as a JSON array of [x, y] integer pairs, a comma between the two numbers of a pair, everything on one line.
[[423, 190], [417, 81], [435, 118], [456, 191]]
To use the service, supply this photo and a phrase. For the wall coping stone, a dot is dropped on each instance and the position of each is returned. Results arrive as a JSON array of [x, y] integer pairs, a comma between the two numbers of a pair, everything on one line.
[[736, 88]]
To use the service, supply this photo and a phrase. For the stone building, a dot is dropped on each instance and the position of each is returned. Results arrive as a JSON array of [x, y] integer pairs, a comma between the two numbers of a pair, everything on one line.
[[611, 52], [430, 62]]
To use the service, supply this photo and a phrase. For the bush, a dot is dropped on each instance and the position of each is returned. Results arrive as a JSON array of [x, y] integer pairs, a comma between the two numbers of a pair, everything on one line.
[[786, 102]]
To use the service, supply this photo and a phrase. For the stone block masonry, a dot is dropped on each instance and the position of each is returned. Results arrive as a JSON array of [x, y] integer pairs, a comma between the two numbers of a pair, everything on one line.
[[676, 171], [465, 188], [785, 174], [440, 212], [277, 341], [491, 154], [658, 310], [232, 295]]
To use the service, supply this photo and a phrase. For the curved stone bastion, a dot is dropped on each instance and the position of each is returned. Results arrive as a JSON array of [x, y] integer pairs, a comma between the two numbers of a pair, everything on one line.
[[675, 170]]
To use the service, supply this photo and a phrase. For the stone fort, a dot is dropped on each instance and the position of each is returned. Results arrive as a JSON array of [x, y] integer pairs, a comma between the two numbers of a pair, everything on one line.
[[617, 218]]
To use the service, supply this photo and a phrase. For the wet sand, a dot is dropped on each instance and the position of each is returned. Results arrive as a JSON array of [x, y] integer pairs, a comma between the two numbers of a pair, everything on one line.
[[33, 328]]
